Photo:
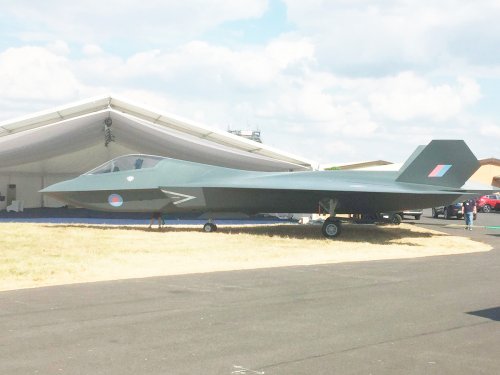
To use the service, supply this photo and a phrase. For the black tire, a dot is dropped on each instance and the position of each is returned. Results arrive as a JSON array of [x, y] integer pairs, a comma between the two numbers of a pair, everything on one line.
[[434, 213], [417, 217], [331, 228], [446, 214], [209, 228], [459, 216], [486, 208], [396, 219]]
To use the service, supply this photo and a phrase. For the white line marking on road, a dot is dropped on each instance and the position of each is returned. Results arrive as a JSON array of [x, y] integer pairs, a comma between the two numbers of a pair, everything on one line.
[[243, 370]]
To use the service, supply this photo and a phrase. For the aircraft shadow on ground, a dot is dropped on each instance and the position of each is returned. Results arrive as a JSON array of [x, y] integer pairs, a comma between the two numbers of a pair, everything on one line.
[[492, 313], [350, 233]]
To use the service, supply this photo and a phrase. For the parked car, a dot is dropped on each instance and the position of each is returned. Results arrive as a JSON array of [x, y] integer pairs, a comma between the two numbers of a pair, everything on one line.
[[415, 213], [453, 210], [448, 211], [487, 203]]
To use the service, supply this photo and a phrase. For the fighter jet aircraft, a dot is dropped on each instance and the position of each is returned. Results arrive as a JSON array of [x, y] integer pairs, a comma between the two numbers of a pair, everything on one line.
[[432, 176]]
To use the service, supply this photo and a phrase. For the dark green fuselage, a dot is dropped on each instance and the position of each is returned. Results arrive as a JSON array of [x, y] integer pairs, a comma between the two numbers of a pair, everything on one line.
[[174, 186]]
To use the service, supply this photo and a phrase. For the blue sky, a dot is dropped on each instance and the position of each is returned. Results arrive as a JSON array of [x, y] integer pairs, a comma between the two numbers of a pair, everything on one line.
[[256, 30], [334, 81]]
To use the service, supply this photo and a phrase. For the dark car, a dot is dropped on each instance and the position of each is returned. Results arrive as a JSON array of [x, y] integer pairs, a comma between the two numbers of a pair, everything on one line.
[[453, 210]]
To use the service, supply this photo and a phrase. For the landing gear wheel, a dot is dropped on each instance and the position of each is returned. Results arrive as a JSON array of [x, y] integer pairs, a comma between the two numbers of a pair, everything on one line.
[[331, 228], [209, 228], [396, 219]]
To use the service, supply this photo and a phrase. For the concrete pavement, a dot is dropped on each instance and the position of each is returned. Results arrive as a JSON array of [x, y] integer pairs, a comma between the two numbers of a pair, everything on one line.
[[436, 315]]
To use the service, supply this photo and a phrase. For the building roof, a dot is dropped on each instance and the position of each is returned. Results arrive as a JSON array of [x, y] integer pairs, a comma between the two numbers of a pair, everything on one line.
[[49, 141], [360, 165], [490, 161]]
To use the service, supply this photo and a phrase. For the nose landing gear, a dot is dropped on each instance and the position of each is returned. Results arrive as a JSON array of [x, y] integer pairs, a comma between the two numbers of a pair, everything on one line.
[[209, 228], [332, 227]]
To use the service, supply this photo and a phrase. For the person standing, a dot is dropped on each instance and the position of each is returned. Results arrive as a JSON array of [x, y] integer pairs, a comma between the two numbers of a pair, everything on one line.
[[469, 210], [158, 216]]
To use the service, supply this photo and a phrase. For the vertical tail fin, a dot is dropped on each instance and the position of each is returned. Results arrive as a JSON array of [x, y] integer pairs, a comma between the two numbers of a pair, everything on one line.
[[447, 163]]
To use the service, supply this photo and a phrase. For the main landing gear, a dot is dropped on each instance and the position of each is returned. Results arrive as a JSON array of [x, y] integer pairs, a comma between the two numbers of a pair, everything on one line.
[[332, 227]]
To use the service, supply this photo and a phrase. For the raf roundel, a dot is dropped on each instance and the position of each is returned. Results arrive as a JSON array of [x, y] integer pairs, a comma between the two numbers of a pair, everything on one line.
[[115, 200]]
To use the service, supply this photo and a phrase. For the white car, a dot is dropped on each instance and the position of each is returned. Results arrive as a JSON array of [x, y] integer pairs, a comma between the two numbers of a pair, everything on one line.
[[415, 213]]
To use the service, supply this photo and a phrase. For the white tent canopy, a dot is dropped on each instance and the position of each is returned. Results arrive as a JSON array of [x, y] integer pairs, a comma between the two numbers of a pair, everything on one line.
[[34, 143], [57, 144]]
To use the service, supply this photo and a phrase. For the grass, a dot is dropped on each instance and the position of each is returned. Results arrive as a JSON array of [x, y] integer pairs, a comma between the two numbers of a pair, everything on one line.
[[44, 254]]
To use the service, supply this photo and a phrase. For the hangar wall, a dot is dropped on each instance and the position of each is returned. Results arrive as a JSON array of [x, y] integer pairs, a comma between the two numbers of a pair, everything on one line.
[[4, 181], [27, 187]]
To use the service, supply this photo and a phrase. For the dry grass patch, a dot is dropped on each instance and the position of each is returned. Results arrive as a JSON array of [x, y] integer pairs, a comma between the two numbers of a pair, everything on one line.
[[45, 254]]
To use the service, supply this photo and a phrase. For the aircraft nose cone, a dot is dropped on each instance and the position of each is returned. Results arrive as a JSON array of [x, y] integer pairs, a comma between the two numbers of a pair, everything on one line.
[[48, 189], [66, 192], [60, 189], [64, 186]]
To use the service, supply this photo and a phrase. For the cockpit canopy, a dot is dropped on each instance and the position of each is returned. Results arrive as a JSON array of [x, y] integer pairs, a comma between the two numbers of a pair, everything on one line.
[[127, 163]]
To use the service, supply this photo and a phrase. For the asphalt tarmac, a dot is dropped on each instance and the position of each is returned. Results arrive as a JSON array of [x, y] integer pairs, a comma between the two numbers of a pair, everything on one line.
[[436, 315], [486, 226]]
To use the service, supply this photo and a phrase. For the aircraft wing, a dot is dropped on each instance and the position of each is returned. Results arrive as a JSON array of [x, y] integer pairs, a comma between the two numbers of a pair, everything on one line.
[[433, 176]]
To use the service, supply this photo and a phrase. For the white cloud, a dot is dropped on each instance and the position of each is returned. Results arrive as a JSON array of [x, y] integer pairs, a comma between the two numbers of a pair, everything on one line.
[[249, 67], [490, 130], [407, 96], [58, 47], [149, 99], [276, 86], [382, 35], [315, 109], [92, 50], [151, 21], [200, 67], [412, 78], [36, 73]]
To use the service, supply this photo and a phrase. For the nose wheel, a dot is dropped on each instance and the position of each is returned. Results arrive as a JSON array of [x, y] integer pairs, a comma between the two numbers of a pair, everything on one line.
[[331, 227], [209, 228]]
